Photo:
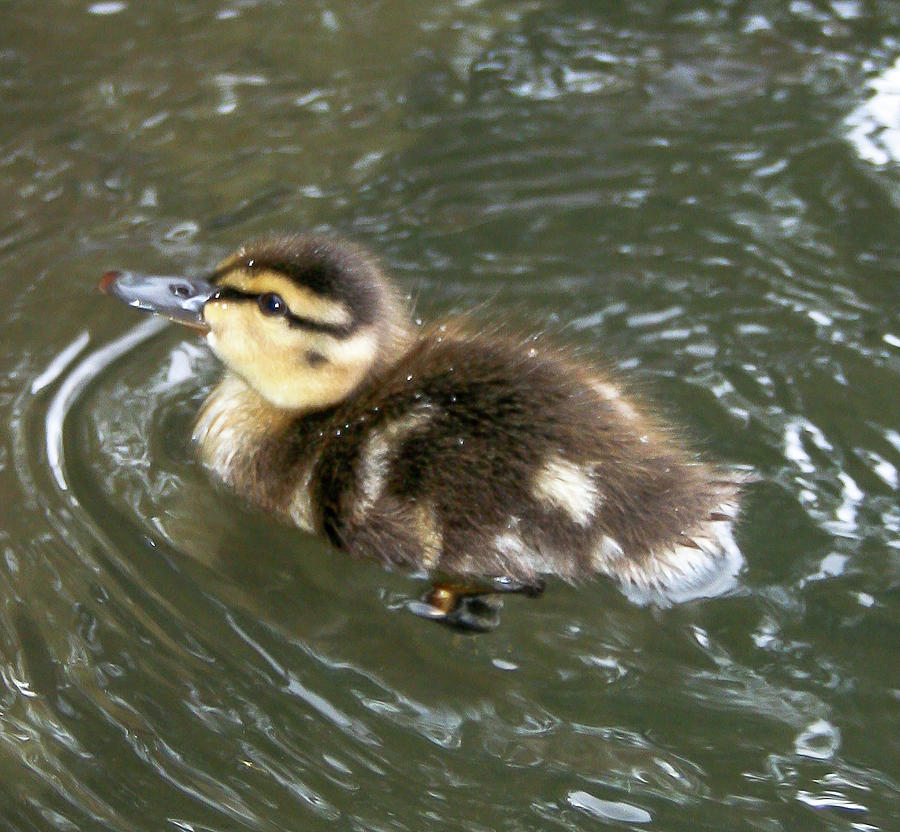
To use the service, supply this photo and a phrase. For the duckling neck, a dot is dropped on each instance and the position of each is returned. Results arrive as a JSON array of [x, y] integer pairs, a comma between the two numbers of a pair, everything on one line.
[[233, 425]]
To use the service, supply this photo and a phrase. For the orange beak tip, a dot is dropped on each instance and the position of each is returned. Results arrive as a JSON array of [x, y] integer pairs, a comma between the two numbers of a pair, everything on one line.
[[107, 280]]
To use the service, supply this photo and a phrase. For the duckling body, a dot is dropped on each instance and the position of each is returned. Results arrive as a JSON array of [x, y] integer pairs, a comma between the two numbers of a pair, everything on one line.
[[451, 450], [475, 455]]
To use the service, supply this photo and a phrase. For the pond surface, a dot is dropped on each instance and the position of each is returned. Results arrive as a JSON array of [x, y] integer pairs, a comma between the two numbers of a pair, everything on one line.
[[703, 194]]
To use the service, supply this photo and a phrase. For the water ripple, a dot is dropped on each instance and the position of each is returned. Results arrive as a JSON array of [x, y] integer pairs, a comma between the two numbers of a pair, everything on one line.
[[76, 381], [703, 199]]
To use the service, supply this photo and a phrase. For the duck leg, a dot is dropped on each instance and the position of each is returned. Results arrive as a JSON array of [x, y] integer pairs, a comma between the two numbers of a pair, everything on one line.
[[471, 607]]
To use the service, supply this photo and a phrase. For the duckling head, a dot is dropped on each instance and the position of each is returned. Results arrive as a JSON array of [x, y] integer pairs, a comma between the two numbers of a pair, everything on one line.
[[303, 320]]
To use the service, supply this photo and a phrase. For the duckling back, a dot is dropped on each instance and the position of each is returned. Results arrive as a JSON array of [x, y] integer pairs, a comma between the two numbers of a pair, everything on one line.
[[477, 455]]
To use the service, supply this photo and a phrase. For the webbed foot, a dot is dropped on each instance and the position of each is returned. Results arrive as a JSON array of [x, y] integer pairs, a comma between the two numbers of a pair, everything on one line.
[[473, 608], [469, 613]]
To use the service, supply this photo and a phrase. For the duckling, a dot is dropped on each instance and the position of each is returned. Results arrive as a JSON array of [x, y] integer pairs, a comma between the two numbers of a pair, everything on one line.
[[486, 459]]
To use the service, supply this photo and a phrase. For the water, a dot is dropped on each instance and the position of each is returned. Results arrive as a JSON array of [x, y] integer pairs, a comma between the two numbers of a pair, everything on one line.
[[705, 195]]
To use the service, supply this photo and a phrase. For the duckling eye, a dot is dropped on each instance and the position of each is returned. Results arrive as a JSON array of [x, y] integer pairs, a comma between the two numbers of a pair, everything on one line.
[[272, 305]]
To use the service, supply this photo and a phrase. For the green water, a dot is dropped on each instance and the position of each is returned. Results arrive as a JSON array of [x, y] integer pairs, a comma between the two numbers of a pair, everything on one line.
[[704, 195]]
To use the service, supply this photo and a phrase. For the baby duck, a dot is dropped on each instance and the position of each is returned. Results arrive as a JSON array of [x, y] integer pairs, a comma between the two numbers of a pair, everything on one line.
[[486, 459]]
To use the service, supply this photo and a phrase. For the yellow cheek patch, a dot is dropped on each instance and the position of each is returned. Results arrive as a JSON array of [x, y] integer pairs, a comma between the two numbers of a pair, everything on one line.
[[230, 319], [300, 300], [271, 357]]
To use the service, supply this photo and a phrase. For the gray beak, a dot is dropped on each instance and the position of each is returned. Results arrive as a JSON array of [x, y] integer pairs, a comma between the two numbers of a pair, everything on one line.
[[179, 298]]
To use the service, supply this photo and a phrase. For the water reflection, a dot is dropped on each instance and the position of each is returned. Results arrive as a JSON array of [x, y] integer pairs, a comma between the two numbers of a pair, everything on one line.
[[75, 382], [608, 809], [875, 124]]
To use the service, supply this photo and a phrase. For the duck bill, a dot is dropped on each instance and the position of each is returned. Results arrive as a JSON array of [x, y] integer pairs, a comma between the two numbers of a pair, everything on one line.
[[180, 299]]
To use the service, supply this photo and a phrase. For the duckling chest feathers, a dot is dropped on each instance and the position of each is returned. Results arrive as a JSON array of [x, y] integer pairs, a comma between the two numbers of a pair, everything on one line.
[[235, 432], [230, 428]]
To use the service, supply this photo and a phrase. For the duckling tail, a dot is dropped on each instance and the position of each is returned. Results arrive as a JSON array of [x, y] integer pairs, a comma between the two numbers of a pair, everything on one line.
[[702, 564]]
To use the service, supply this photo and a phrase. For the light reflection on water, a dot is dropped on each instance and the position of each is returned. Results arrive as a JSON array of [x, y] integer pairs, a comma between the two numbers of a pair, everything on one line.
[[694, 195], [75, 382]]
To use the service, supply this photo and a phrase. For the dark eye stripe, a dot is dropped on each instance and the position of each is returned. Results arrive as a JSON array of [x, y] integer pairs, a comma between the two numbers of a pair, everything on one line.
[[337, 330]]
